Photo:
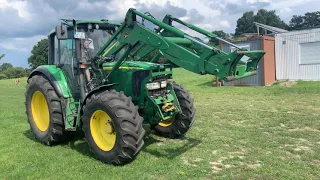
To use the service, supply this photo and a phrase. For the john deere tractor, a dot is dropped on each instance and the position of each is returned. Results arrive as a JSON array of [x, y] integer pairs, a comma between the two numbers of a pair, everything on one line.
[[107, 79]]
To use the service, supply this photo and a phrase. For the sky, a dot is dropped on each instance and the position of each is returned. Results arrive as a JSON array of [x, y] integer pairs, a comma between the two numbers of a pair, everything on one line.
[[24, 22]]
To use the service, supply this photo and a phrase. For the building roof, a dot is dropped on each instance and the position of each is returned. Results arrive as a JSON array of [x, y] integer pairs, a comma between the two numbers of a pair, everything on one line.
[[270, 28]]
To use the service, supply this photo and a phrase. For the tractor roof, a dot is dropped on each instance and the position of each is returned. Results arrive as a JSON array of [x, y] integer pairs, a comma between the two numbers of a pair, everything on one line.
[[70, 25]]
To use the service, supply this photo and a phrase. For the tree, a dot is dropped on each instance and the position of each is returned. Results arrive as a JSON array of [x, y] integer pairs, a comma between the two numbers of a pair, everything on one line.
[[5, 66], [3, 76], [220, 34], [39, 54], [308, 20], [245, 24], [2, 56], [28, 71], [15, 72]]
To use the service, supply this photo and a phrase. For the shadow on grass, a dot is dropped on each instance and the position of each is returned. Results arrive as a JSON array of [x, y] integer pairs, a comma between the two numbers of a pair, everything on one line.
[[207, 84], [169, 152], [78, 144], [73, 138]]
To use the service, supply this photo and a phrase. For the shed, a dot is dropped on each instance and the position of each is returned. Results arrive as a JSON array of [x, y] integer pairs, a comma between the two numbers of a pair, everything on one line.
[[298, 55], [266, 68]]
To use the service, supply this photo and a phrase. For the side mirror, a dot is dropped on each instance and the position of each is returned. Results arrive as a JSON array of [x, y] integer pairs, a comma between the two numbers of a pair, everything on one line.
[[61, 32]]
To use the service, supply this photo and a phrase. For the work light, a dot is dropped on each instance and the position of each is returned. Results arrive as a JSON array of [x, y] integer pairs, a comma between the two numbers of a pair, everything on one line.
[[153, 86]]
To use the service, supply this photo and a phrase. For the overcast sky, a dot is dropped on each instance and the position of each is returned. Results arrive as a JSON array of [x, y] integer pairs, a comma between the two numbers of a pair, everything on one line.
[[24, 22]]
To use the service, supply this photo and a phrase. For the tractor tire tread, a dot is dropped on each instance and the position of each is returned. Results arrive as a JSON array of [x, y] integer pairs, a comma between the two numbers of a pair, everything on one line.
[[129, 127]]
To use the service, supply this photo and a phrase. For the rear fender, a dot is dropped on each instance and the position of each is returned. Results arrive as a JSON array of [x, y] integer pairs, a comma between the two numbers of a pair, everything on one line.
[[56, 78]]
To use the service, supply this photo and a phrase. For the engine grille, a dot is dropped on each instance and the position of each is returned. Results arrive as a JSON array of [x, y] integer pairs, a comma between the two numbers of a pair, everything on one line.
[[137, 78]]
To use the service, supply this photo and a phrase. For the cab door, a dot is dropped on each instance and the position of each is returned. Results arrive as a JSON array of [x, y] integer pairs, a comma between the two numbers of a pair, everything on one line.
[[65, 58]]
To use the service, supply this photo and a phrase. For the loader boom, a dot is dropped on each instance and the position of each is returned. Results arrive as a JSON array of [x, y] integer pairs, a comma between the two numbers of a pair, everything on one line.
[[180, 48]]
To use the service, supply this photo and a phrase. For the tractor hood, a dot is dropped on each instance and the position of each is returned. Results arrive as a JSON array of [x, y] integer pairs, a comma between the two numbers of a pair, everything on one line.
[[134, 65]]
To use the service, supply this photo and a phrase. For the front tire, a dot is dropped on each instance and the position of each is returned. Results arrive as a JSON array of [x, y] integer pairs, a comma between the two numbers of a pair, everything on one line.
[[179, 125], [43, 108], [112, 127]]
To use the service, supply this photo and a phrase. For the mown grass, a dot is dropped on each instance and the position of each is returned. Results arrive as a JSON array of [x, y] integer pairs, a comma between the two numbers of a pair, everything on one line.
[[240, 133]]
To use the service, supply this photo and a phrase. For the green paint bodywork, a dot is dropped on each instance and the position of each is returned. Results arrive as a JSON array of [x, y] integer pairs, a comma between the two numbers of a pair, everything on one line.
[[150, 106], [60, 78]]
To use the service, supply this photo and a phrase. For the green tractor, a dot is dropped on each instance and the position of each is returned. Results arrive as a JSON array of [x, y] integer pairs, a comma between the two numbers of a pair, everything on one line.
[[107, 79]]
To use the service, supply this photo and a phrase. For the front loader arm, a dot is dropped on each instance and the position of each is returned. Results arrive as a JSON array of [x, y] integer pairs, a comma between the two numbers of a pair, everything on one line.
[[179, 48]]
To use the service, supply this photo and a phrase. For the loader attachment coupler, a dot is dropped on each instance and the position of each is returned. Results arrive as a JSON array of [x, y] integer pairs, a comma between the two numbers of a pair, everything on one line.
[[179, 48]]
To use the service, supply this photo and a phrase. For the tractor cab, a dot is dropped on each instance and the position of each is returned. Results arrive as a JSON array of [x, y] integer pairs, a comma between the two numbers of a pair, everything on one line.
[[74, 42]]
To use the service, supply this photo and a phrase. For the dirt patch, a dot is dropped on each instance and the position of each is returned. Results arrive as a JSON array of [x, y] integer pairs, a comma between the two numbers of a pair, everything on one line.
[[293, 112], [304, 129], [220, 164], [291, 155], [254, 166], [191, 162], [214, 151], [222, 159], [302, 148], [241, 152], [241, 157], [288, 83], [216, 169], [186, 162], [268, 152], [303, 140], [313, 107], [217, 166], [160, 143], [228, 166], [316, 161], [197, 160], [238, 123], [282, 125]]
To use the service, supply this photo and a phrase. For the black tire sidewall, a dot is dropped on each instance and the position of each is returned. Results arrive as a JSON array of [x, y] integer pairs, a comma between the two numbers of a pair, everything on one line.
[[168, 130]]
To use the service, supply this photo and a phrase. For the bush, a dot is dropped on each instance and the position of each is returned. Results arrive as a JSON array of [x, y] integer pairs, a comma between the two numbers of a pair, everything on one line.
[[3, 76], [15, 72]]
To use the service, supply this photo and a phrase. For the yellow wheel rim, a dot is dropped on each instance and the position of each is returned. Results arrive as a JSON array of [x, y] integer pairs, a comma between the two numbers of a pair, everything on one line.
[[40, 111], [166, 123], [102, 130]]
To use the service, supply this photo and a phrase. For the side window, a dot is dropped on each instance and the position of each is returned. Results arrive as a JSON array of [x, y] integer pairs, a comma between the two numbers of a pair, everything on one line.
[[66, 51]]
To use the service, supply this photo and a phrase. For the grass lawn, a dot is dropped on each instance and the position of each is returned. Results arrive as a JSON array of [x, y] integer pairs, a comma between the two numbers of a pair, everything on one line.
[[239, 133]]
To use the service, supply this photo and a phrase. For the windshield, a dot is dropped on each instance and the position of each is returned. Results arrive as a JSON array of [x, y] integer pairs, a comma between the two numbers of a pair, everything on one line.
[[94, 40]]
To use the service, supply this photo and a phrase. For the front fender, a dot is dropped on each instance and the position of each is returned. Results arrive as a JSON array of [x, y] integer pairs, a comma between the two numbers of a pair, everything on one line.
[[95, 90], [56, 78]]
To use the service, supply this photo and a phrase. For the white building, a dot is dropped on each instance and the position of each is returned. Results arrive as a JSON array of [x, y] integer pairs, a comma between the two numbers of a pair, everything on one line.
[[297, 55]]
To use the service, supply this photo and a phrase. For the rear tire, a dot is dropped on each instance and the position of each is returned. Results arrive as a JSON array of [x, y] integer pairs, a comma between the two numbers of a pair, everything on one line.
[[181, 123], [112, 127], [43, 108]]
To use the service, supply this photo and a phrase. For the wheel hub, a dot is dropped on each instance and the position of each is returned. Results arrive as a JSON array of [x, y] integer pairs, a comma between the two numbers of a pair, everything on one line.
[[102, 130], [109, 128]]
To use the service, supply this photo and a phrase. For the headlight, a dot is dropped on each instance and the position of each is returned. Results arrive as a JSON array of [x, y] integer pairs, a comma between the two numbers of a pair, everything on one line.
[[163, 84], [153, 86]]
